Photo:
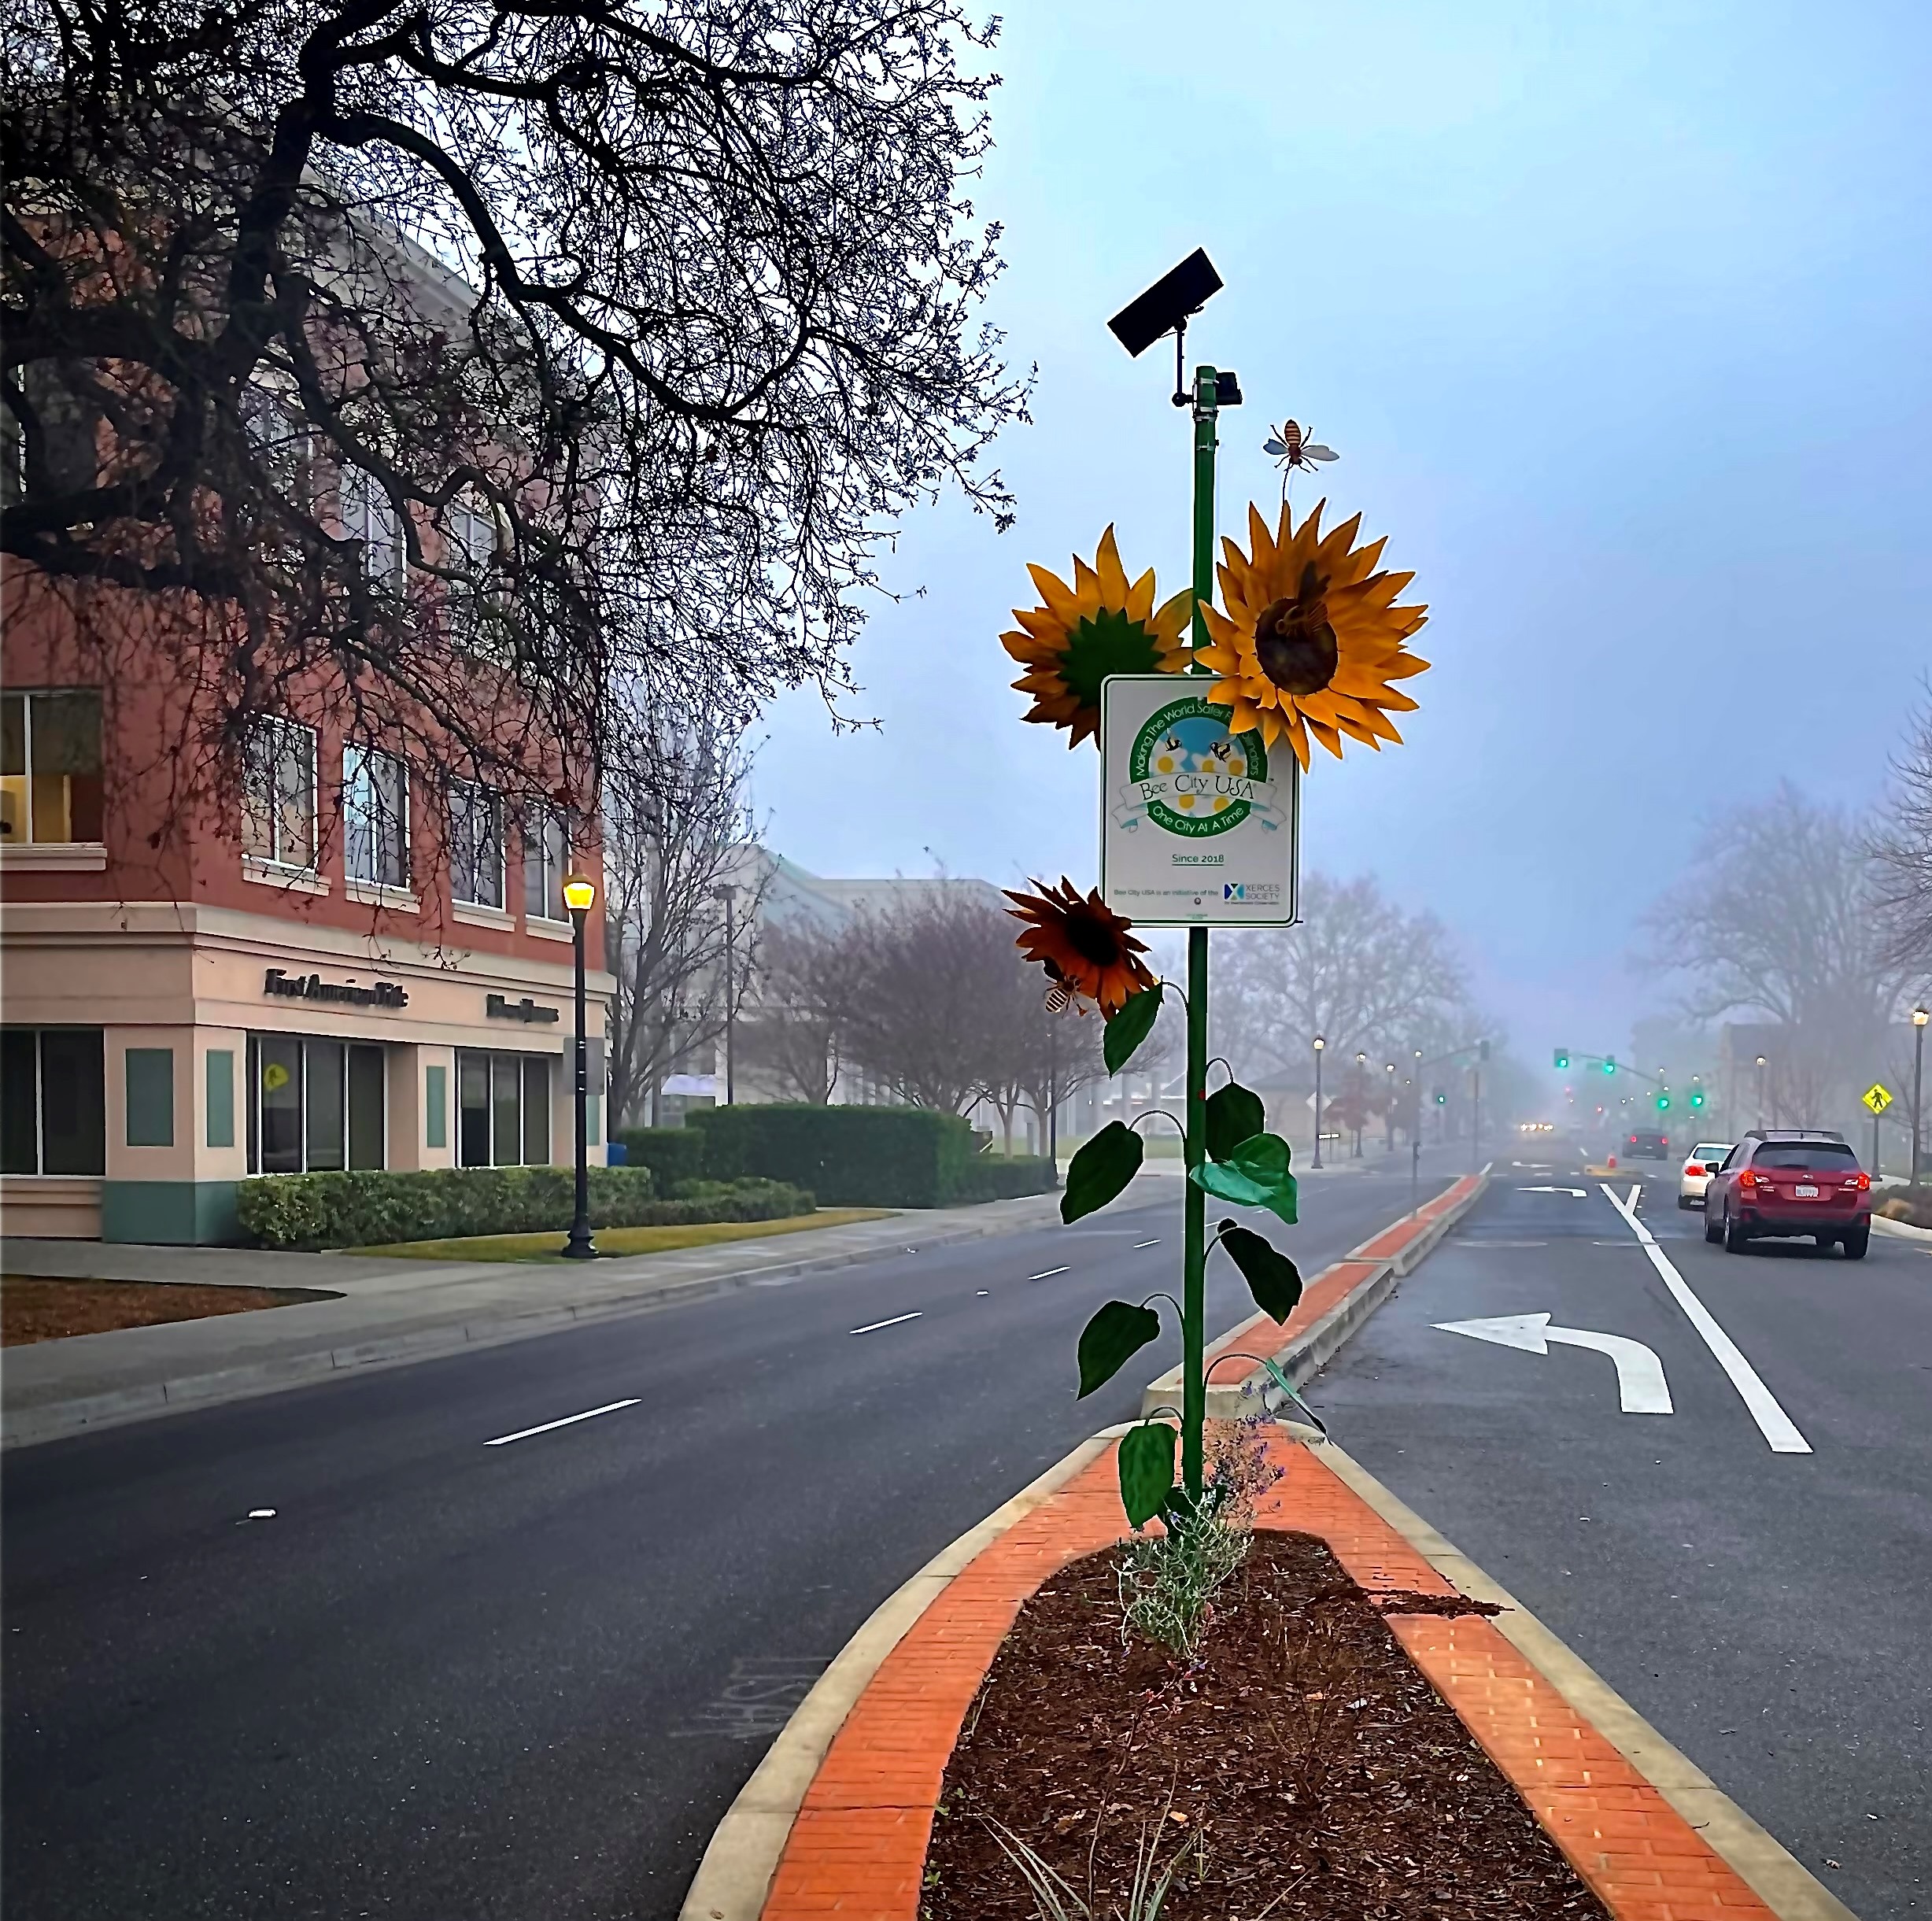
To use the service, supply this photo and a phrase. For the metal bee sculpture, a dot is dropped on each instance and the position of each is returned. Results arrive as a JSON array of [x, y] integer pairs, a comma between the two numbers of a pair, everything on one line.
[[1293, 449]]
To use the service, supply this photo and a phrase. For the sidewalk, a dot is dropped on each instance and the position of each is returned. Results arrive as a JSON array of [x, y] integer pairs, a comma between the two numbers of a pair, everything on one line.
[[389, 1311]]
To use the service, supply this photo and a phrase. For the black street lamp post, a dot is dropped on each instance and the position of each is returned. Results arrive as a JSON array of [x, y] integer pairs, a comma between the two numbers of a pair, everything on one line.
[[729, 894], [579, 895], [1321, 1046], [1920, 1014]]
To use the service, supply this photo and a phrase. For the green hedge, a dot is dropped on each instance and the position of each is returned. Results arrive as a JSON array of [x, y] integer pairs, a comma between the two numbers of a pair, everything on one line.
[[367, 1209], [992, 1177], [862, 1157], [673, 1153]]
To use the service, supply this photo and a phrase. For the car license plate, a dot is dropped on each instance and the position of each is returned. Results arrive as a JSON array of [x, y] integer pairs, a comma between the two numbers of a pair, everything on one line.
[[1805, 1191]]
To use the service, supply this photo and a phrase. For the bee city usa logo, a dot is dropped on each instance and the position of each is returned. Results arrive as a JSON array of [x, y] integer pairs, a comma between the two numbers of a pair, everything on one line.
[[1190, 776]]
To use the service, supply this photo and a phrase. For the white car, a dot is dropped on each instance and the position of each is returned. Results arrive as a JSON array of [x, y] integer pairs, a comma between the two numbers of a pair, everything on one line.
[[1705, 1158]]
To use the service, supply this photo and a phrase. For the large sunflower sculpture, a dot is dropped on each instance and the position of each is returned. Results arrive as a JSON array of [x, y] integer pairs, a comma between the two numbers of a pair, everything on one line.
[[1084, 945], [1099, 626], [1310, 644]]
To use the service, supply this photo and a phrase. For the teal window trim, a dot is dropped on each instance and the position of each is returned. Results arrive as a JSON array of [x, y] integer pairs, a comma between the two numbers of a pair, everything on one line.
[[221, 1097], [150, 1087], [436, 1107], [593, 1119]]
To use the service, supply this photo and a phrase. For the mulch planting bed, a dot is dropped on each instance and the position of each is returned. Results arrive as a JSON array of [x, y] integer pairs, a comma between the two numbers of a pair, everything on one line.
[[1305, 1767], [36, 1309]]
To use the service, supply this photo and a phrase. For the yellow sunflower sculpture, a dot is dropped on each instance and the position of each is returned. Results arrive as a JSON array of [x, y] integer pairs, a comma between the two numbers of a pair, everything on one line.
[[1311, 643], [1099, 626], [1084, 945]]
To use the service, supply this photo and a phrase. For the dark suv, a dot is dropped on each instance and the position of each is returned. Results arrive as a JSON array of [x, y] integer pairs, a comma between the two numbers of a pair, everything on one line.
[[1782, 1181], [1648, 1146]]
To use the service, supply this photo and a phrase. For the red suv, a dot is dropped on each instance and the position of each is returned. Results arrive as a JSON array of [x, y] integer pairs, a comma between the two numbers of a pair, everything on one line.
[[1782, 1181]]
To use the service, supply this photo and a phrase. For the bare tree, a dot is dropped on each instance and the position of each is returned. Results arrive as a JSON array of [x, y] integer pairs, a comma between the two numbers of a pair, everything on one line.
[[1061, 1054], [929, 984], [471, 367], [677, 831], [1901, 852], [794, 1039], [1356, 969]]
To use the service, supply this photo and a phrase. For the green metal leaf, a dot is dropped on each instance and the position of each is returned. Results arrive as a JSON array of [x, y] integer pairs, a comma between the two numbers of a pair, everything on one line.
[[1287, 1387], [1128, 1027], [1234, 1114], [1255, 1175], [1118, 1331], [1273, 1280], [1146, 1462], [1100, 1171]]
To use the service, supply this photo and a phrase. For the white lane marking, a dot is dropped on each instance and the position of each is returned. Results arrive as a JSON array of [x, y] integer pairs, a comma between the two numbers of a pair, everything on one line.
[[261, 1513], [1579, 1192], [1775, 1425], [1634, 1191], [1050, 1273], [1138, 1244], [980, 1294], [873, 1327], [1640, 1383], [590, 1413]]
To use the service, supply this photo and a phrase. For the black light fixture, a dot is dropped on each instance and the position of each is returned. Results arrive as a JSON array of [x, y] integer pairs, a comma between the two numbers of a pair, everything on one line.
[[1165, 309]]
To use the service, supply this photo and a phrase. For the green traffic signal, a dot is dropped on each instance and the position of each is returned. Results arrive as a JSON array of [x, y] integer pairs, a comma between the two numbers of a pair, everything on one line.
[[1697, 1097], [1609, 1064], [1563, 1060], [1663, 1102]]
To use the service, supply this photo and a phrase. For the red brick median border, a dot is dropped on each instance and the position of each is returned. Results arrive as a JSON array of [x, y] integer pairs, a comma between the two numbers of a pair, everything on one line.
[[857, 1846]]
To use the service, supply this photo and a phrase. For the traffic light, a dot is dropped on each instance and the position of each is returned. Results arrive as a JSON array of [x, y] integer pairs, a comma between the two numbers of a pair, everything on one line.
[[1609, 1064], [1482, 1050], [1441, 1099], [1697, 1096], [1563, 1060], [1663, 1104]]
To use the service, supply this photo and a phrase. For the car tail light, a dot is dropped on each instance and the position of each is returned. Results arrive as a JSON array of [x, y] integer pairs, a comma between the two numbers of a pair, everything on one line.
[[1858, 1183], [1694, 1167], [1747, 1179]]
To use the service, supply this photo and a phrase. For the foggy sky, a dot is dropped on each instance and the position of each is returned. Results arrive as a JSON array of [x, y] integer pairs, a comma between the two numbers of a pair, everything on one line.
[[1618, 316]]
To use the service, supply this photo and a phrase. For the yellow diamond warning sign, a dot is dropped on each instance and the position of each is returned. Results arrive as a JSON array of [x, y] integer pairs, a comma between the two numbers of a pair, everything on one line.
[[1878, 1097]]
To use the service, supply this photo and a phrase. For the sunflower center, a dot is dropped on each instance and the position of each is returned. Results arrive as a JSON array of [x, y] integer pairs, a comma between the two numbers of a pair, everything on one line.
[[1102, 644], [1094, 941], [1295, 642]]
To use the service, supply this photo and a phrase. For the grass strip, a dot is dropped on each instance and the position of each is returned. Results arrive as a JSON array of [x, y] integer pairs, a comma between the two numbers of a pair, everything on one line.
[[549, 1246]]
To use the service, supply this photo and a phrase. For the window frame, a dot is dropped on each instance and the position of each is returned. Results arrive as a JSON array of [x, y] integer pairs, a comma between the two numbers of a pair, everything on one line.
[[363, 502], [462, 847], [37, 1037], [539, 822], [360, 763], [278, 726], [27, 697]]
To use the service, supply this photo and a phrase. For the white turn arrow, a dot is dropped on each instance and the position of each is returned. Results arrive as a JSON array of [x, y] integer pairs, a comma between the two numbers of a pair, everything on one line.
[[1578, 1192], [1640, 1383]]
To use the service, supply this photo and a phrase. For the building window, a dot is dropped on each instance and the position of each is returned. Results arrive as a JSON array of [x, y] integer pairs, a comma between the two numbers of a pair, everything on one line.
[[278, 813], [471, 547], [315, 1105], [368, 516], [52, 1104], [375, 810], [546, 860], [475, 844], [50, 788], [503, 1109], [275, 434]]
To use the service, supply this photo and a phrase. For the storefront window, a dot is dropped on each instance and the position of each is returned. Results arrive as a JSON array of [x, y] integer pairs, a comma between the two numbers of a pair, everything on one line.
[[317, 1106], [53, 1110], [504, 1109], [50, 786]]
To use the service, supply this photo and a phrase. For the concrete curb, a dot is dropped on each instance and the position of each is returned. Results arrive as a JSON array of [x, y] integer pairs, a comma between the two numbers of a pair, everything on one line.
[[735, 1874], [1903, 1230], [86, 1413], [1778, 1878], [1310, 1349]]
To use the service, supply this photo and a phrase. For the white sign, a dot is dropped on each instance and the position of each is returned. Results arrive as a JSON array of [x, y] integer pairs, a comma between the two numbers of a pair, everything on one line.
[[1198, 827]]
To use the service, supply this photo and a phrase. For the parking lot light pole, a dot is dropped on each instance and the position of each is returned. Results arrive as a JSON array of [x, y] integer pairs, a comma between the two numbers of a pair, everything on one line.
[[580, 895], [1761, 1090], [1920, 1014]]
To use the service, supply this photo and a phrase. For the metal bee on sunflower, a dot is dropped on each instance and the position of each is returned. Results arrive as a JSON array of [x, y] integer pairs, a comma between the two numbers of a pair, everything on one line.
[[1308, 644]]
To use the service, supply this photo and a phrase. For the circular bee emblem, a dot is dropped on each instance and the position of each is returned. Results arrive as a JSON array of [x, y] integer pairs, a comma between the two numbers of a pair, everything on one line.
[[275, 1078], [1203, 777]]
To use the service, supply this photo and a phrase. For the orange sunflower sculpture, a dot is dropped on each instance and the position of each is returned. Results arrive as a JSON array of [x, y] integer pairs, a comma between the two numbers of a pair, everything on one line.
[[1099, 626], [1084, 945], [1310, 645]]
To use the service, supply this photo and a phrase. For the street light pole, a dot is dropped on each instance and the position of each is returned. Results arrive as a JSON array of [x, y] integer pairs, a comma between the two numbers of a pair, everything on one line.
[[579, 895], [728, 895], [1388, 1113], [1361, 1098], [1761, 1090], [1321, 1045], [1920, 1014]]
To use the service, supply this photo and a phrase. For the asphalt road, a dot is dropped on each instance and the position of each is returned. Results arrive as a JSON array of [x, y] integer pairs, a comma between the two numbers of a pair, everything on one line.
[[448, 1678], [1767, 1610]]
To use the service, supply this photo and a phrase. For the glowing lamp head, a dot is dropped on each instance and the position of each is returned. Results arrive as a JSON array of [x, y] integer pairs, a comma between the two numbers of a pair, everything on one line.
[[580, 893]]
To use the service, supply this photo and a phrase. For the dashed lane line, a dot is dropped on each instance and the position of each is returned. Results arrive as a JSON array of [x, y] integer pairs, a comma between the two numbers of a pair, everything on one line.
[[1776, 1426], [569, 1421], [874, 1326], [1049, 1274]]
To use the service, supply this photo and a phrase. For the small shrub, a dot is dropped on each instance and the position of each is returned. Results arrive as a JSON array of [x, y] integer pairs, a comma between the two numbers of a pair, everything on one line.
[[992, 1177]]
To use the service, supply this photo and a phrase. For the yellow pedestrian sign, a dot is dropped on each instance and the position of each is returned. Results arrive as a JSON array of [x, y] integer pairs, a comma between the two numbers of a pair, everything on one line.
[[1878, 1097]]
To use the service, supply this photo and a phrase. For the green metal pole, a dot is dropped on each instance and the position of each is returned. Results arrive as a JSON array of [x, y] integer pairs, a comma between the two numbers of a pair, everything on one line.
[[1194, 1289]]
